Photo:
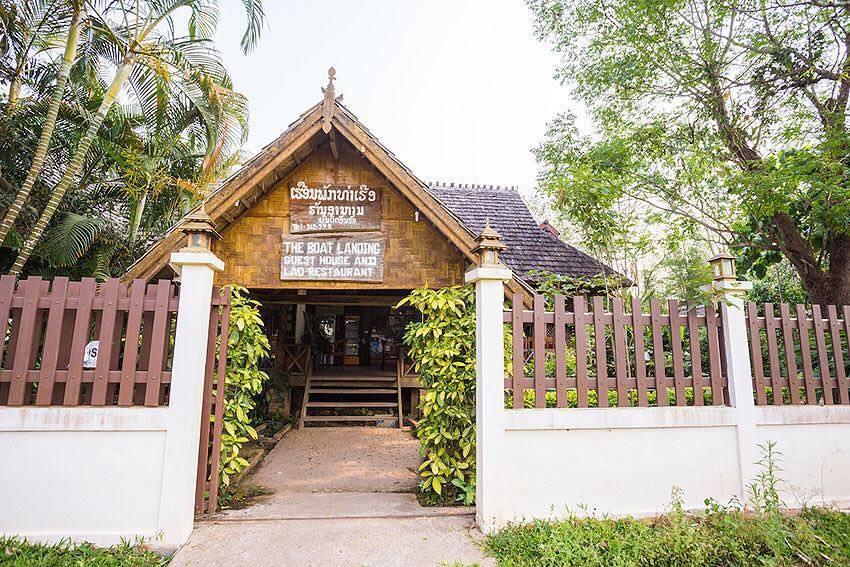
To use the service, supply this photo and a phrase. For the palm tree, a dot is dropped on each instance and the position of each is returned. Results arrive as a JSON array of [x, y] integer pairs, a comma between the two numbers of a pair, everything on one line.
[[139, 42], [49, 120]]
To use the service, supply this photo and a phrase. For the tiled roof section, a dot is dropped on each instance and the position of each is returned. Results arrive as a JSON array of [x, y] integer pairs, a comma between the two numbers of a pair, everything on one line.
[[529, 246]]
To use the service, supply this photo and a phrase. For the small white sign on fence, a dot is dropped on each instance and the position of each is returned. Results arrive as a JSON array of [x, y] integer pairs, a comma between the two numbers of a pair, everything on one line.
[[90, 354]]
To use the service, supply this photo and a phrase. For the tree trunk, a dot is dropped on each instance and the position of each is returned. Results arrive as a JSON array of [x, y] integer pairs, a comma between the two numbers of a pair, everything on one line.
[[46, 130], [75, 165]]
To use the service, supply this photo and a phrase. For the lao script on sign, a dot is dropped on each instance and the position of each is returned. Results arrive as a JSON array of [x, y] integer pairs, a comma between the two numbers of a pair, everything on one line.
[[330, 208], [338, 257]]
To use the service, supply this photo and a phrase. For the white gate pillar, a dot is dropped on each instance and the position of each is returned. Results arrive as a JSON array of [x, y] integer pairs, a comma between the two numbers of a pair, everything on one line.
[[489, 277], [731, 293], [195, 265]]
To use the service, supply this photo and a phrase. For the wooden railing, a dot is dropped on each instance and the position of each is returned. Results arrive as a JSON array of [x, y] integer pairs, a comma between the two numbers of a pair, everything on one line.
[[800, 356], [296, 358], [588, 356]]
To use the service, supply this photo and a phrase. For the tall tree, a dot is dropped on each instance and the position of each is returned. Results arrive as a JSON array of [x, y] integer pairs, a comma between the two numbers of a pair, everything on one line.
[[728, 116], [62, 74], [140, 39]]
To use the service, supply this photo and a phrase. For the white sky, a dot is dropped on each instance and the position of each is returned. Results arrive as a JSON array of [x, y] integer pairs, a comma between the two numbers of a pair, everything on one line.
[[458, 90]]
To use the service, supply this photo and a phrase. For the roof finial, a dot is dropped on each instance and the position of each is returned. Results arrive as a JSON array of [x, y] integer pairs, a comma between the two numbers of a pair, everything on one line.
[[328, 103]]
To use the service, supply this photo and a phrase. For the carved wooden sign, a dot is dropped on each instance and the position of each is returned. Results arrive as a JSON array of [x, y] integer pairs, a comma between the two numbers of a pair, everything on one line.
[[357, 257], [330, 208]]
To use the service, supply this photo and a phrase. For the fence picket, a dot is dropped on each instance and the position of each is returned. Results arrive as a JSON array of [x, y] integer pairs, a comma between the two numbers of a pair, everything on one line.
[[677, 354], [24, 343], [518, 350], [82, 320], [539, 351], [755, 354], [658, 352], [601, 352], [127, 386], [846, 316], [835, 335], [773, 354], [581, 351], [696, 354], [561, 351], [823, 361], [790, 353], [640, 353], [52, 337], [806, 354], [618, 320], [109, 312], [159, 336]]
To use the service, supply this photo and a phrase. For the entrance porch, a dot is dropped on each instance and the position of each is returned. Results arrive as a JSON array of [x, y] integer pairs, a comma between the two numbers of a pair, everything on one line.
[[341, 353]]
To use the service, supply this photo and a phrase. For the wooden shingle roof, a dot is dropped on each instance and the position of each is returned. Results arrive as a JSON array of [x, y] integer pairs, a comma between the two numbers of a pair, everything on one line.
[[530, 247]]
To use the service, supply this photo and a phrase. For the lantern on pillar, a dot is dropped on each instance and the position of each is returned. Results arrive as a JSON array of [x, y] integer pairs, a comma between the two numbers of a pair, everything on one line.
[[199, 230], [723, 268], [488, 246]]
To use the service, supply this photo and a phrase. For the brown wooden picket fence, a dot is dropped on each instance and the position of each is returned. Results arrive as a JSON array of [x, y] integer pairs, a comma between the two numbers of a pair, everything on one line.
[[579, 349], [46, 327], [799, 357]]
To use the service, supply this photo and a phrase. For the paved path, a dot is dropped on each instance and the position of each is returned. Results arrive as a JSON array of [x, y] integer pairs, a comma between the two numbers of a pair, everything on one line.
[[341, 459], [340, 497]]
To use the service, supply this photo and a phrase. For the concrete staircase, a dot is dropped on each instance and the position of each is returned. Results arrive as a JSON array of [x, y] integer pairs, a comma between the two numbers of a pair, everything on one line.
[[346, 398]]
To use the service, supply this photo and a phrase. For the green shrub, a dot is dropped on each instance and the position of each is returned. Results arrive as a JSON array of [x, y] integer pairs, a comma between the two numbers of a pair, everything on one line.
[[246, 345], [442, 347]]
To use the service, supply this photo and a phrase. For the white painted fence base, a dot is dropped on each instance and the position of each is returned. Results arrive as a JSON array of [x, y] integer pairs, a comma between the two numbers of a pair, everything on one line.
[[111, 473], [626, 461], [556, 463]]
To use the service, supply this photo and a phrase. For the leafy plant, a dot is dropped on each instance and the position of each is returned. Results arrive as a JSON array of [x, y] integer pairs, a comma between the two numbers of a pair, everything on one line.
[[246, 345], [442, 347]]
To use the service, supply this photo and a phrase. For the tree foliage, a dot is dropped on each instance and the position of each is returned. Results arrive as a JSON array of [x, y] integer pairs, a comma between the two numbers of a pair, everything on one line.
[[442, 346], [723, 119], [149, 121]]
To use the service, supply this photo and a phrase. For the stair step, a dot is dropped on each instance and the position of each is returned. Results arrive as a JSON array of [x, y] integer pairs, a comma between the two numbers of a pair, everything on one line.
[[365, 378], [352, 391], [352, 404], [348, 417], [361, 384]]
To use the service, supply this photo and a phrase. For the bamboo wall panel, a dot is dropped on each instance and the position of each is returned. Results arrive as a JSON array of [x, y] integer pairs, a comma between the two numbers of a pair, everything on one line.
[[416, 253]]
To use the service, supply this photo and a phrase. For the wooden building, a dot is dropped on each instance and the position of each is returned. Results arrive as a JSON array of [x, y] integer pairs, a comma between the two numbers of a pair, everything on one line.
[[329, 230]]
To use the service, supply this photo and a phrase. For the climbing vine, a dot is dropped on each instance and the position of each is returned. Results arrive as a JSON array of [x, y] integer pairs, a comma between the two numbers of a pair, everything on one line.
[[442, 347], [246, 345]]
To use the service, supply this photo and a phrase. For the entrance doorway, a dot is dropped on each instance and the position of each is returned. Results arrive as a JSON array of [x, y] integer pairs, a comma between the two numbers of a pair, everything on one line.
[[342, 355]]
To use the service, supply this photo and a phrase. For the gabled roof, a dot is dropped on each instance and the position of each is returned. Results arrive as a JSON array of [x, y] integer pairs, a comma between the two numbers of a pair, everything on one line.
[[530, 247], [317, 126], [458, 215]]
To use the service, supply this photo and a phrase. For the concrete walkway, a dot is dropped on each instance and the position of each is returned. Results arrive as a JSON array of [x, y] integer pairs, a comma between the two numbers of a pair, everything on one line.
[[339, 497]]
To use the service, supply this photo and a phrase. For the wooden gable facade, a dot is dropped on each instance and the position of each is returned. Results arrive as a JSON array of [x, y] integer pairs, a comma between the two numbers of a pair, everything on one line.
[[416, 252], [426, 244]]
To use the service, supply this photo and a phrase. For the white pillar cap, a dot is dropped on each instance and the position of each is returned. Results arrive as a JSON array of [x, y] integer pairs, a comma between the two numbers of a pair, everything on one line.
[[479, 273], [205, 258]]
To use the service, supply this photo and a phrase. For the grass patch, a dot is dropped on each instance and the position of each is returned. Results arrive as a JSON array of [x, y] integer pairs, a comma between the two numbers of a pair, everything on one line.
[[720, 538], [17, 552]]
